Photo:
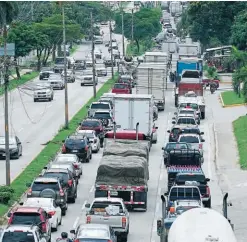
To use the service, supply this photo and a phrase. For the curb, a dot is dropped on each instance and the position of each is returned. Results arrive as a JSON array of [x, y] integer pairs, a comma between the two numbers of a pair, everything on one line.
[[230, 105]]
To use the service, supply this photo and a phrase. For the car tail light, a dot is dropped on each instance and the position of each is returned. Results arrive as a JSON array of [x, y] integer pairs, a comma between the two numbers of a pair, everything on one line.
[[200, 146], [29, 191], [10, 220], [70, 183], [77, 240], [109, 240], [88, 219], [61, 192], [86, 148], [52, 213], [124, 220], [63, 149], [44, 227], [207, 191]]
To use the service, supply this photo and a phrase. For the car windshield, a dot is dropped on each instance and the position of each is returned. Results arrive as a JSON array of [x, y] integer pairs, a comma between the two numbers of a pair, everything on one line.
[[119, 86], [59, 61], [90, 123], [100, 106], [171, 146], [18, 236], [61, 175], [189, 139], [102, 115], [55, 77], [180, 210], [65, 158], [12, 141], [25, 218], [75, 142], [186, 121], [40, 186]]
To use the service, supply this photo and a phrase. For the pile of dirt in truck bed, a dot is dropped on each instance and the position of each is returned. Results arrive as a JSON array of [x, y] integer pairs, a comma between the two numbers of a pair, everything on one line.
[[119, 170], [122, 149]]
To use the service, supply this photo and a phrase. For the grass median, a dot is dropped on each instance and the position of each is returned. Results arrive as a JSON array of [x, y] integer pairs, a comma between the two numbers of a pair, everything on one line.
[[239, 128], [50, 151], [231, 98], [14, 83]]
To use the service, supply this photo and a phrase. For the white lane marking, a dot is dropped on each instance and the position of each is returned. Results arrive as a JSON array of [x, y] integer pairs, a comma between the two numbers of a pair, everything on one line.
[[92, 188], [83, 205], [20, 130], [76, 222], [159, 191], [161, 176], [157, 208]]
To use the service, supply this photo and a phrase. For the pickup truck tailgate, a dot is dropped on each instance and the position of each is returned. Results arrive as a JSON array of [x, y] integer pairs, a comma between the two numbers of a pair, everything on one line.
[[113, 221]]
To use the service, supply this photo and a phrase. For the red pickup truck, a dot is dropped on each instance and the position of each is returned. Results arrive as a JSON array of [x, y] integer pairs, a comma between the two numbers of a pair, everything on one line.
[[121, 88]]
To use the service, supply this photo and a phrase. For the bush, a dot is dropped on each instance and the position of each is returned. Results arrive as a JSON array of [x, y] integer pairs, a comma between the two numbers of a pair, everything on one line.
[[6, 194]]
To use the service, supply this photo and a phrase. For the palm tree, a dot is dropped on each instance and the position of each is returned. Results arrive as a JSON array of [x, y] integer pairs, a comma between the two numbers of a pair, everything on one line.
[[8, 11]]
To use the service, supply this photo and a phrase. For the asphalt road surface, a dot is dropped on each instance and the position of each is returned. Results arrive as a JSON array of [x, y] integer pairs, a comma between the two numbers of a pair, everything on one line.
[[143, 224], [37, 123]]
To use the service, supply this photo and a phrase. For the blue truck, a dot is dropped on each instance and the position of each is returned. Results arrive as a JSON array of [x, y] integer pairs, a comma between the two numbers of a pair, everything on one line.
[[188, 64]]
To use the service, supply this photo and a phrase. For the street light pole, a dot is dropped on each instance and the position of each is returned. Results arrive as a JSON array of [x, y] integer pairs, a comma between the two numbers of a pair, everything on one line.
[[66, 126], [123, 32], [112, 71], [93, 59]]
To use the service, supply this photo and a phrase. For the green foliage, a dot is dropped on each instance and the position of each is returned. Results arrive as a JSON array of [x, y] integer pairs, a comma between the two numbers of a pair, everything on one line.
[[232, 98], [211, 21], [146, 24], [36, 166], [6, 194], [211, 72], [8, 10]]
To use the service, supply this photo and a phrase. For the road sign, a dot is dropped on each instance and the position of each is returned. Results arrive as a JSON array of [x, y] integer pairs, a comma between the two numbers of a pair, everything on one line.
[[10, 50]]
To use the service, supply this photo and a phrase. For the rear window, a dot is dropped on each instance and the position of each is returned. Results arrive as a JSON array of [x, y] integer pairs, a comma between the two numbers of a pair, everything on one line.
[[80, 142], [189, 139], [186, 121], [99, 106], [186, 112], [40, 186], [90, 123], [190, 105], [119, 86], [190, 131], [18, 236], [171, 146], [102, 115], [26, 218], [93, 233], [63, 176]]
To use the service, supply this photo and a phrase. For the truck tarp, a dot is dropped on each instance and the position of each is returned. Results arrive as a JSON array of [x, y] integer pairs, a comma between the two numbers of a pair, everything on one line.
[[141, 144], [118, 170], [121, 149]]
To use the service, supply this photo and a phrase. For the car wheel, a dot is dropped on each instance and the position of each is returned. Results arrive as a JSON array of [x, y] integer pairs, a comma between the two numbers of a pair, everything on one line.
[[72, 200], [55, 229], [49, 99], [87, 159], [60, 222]]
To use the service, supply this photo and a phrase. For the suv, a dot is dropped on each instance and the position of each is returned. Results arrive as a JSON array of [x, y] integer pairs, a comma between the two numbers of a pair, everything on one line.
[[27, 233], [43, 91], [93, 124], [79, 145], [80, 64], [49, 187], [45, 73], [67, 181], [98, 106], [105, 117], [31, 216]]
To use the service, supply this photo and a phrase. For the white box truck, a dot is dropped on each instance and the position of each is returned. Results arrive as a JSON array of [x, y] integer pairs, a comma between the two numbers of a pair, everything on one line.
[[170, 47], [175, 8], [152, 79], [189, 50], [156, 57], [130, 109]]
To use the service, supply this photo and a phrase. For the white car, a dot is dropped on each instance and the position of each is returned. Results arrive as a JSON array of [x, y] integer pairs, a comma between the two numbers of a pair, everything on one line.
[[69, 158], [56, 81], [49, 205], [43, 91], [87, 78], [101, 70], [93, 139], [98, 54]]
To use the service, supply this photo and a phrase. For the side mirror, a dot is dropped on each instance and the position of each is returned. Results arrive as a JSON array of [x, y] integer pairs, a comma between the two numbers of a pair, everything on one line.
[[207, 179], [168, 131], [166, 193], [49, 215], [203, 140], [63, 140], [45, 168], [79, 123], [87, 205], [173, 122], [72, 231], [202, 133], [87, 106], [9, 214], [163, 148], [28, 184]]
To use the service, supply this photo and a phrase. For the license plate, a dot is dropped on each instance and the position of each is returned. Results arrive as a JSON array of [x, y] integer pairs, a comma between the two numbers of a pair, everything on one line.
[[74, 150], [114, 193]]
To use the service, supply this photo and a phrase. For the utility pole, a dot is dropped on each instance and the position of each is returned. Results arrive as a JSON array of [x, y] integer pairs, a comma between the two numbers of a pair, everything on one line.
[[112, 71], [123, 32], [92, 37], [66, 126], [6, 102], [132, 25]]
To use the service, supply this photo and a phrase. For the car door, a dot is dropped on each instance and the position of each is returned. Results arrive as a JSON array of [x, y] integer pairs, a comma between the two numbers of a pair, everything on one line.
[[58, 211]]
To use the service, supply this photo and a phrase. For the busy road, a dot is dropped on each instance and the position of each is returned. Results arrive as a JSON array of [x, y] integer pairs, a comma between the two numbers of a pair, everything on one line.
[[27, 118]]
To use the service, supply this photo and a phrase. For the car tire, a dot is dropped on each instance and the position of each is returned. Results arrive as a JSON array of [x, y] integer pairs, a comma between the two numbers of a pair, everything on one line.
[[55, 229], [207, 204], [49, 99], [35, 100], [72, 200], [60, 222]]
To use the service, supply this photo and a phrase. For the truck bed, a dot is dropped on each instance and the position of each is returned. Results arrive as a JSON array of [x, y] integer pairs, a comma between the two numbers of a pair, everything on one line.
[[184, 88]]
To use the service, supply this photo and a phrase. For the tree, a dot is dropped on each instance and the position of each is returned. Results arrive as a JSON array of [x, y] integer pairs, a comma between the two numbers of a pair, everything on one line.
[[23, 36], [52, 28], [239, 31], [8, 10]]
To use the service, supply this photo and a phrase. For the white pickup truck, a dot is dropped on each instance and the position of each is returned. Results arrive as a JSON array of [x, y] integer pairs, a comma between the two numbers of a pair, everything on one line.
[[112, 212]]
